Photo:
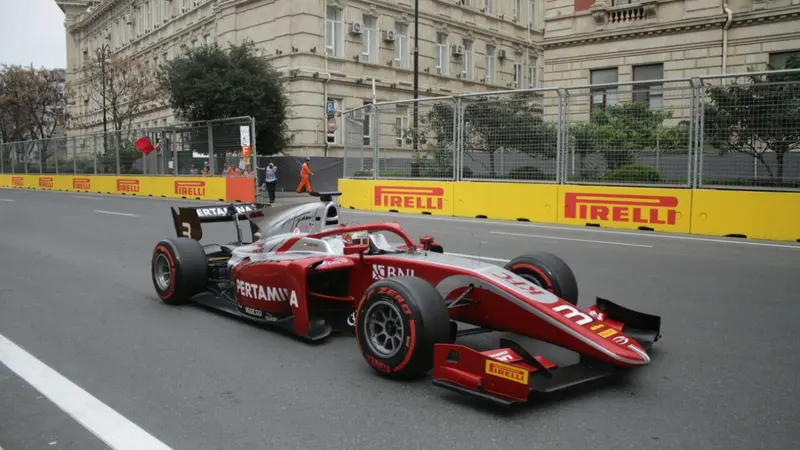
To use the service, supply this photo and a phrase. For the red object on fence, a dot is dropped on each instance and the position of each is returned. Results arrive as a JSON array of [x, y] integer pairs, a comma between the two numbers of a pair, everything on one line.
[[144, 145]]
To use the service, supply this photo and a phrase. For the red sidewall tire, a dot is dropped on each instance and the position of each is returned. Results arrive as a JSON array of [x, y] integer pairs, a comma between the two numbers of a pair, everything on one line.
[[550, 271], [425, 322], [188, 270]]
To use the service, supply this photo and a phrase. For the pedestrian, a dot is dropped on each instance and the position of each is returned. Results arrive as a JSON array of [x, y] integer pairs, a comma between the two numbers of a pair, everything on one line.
[[305, 171], [270, 179]]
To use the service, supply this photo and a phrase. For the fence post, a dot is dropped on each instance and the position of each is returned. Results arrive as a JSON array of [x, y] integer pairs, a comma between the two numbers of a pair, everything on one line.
[[116, 150], [2, 157], [458, 129], [94, 153], [74, 155], [376, 151], [211, 163], [254, 162], [174, 147]]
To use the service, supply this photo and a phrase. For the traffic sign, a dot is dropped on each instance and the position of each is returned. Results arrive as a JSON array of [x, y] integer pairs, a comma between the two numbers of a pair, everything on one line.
[[332, 125], [330, 108], [244, 135]]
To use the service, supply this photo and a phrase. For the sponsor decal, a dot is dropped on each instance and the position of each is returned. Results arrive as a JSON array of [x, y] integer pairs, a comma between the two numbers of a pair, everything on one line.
[[596, 327], [596, 315], [127, 185], [266, 293], [258, 313], [351, 319], [83, 184], [18, 181], [190, 188], [221, 211], [502, 355], [334, 263], [424, 198], [380, 272], [571, 313], [608, 332], [512, 373], [523, 286], [620, 340], [621, 208], [46, 182]]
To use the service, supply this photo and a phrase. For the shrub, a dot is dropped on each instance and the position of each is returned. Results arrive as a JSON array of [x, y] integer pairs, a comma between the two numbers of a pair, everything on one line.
[[634, 173]]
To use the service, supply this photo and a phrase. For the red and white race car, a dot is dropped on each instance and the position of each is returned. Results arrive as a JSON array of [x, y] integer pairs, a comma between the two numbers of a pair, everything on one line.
[[310, 275]]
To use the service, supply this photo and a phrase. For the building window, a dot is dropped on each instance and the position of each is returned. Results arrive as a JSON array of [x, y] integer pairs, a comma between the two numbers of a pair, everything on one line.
[[532, 12], [515, 10], [652, 94], [518, 73], [441, 54], [532, 80], [604, 96], [401, 122], [335, 39], [778, 60], [490, 64], [467, 61], [368, 111], [401, 49], [333, 138], [488, 6], [370, 51]]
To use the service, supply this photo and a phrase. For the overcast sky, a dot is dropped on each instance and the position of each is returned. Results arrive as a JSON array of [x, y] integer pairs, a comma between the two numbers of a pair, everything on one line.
[[32, 31]]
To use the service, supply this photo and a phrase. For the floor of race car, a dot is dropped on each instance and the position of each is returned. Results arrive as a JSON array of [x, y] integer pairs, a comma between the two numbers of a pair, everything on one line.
[[722, 377]]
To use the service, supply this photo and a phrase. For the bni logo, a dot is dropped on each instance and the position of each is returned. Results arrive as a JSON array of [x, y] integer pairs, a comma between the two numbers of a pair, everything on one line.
[[127, 185], [82, 183], [380, 272], [424, 197], [645, 209], [190, 188]]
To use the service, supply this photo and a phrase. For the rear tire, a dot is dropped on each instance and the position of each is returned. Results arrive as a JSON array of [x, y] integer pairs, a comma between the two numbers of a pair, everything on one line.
[[179, 270], [398, 321], [548, 271]]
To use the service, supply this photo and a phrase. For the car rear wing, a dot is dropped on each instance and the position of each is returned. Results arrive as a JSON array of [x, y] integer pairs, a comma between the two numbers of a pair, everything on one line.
[[188, 220]]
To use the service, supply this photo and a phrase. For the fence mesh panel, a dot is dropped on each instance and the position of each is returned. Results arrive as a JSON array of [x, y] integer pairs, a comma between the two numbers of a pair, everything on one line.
[[750, 132], [629, 134], [359, 136], [507, 137]]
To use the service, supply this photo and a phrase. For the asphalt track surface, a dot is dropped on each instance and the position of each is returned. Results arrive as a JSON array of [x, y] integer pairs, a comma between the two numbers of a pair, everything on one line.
[[75, 292]]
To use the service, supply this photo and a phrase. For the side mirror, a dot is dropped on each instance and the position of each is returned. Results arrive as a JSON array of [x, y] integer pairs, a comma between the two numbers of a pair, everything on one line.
[[356, 249]]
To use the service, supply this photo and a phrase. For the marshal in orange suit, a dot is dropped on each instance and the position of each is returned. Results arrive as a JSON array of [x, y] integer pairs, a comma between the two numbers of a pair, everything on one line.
[[304, 173]]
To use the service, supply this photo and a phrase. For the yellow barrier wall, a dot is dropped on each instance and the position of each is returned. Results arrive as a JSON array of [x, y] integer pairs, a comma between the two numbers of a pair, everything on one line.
[[506, 201], [356, 194], [171, 187], [625, 207], [756, 215]]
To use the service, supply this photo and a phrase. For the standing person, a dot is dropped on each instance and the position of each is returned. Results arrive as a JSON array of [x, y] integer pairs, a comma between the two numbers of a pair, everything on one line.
[[270, 179], [304, 173]]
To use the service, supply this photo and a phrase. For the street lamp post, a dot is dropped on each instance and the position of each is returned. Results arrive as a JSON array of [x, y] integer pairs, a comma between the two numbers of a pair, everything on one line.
[[414, 167], [101, 55]]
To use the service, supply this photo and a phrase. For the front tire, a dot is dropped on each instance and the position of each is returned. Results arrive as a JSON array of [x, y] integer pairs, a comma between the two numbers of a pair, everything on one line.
[[179, 270], [398, 321], [548, 271]]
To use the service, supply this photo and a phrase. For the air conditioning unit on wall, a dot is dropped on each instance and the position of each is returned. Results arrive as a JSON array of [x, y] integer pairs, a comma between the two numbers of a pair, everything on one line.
[[356, 27]]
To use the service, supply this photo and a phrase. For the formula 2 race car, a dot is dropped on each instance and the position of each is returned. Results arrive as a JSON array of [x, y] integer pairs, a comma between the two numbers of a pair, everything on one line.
[[310, 275]]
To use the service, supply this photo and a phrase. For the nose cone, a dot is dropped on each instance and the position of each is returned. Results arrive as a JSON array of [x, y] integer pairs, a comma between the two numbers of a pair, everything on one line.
[[630, 350]]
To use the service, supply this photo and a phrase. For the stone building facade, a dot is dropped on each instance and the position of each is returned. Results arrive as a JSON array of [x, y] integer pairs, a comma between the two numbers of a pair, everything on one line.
[[326, 50]]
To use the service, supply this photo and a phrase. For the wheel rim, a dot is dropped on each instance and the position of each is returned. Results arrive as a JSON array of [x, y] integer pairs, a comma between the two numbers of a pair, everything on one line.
[[163, 271], [384, 328]]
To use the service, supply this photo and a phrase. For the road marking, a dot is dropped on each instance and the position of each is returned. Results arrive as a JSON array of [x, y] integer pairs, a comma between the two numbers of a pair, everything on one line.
[[567, 228], [115, 213], [570, 239], [88, 198], [6, 200], [105, 423]]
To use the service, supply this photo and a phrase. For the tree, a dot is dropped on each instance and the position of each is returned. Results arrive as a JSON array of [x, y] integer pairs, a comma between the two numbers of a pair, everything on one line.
[[32, 105], [489, 125], [122, 86], [209, 82], [756, 117]]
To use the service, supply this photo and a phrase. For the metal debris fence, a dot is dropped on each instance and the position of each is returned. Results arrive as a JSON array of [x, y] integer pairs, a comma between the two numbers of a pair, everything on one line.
[[734, 131], [182, 149]]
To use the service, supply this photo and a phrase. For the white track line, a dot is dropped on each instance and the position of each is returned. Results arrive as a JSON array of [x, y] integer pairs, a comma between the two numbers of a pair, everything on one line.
[[6, 199], [97, 417], [566, 228], [570, 239], [88, 198], [115, 213]]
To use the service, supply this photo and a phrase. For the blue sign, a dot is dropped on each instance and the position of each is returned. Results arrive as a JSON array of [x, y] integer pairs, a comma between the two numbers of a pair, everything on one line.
[[330, 108]]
